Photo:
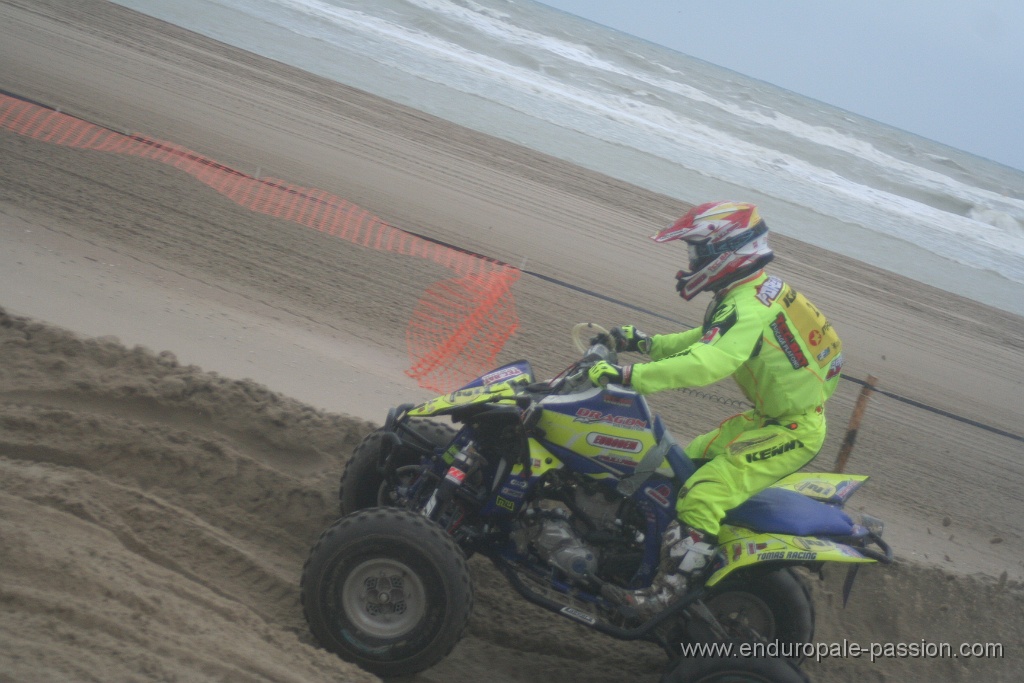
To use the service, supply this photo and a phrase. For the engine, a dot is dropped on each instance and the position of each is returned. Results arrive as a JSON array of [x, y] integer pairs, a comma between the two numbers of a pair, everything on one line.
[[558, 544], [584, 530], [596, 508]]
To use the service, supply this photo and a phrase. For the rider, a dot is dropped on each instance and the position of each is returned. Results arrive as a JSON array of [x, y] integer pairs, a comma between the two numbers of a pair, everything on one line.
[[783, 353]]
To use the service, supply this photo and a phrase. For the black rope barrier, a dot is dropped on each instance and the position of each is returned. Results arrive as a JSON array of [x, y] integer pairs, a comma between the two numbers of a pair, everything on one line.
[[634, 307]]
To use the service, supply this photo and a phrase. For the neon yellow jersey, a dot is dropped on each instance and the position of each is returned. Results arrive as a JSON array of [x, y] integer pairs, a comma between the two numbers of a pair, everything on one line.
[[780, 349]]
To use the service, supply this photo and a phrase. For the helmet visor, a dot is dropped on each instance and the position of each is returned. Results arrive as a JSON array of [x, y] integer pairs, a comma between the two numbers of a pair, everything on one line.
[[699, 255], [695, 256], [696, 261]]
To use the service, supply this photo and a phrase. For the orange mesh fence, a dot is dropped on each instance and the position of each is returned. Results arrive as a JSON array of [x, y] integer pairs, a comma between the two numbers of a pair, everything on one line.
[[457, 327]]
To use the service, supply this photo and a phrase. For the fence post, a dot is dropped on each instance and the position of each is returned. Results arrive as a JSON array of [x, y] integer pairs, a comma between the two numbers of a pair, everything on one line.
[[851, 431]]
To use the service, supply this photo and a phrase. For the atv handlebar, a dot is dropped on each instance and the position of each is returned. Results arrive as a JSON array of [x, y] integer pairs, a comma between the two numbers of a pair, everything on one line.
[[595, 344]]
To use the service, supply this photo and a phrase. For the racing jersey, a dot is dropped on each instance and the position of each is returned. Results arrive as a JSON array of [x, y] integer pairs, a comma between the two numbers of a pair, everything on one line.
[[782, 351]]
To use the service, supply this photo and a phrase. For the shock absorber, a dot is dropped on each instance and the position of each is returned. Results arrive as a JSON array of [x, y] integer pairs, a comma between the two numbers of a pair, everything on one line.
[[463, 465]]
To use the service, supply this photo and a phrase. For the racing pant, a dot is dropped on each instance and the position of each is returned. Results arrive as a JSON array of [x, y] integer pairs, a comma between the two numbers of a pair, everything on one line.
[[746, 454]]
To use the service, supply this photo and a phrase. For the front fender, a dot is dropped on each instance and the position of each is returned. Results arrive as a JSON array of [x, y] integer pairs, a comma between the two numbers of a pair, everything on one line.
[[502, 392], [741, 548], [542, 461]]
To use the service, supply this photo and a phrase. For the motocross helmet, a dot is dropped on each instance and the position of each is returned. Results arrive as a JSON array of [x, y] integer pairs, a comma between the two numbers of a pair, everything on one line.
[[727, 241]]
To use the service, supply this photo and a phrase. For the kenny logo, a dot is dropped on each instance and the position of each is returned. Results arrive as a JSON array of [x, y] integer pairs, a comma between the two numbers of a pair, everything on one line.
[[772, 452]]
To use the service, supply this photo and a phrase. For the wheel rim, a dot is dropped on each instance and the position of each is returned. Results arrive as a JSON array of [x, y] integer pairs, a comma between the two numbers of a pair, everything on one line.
[[383, 598], [742, 614]]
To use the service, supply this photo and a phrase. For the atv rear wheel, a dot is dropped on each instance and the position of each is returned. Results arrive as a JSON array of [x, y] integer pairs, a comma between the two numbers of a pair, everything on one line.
[[363, 485], [769, 607], [387, 589], [735, 670]]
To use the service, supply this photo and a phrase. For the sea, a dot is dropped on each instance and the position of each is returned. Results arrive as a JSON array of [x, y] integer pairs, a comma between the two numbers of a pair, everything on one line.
[[659, 119]]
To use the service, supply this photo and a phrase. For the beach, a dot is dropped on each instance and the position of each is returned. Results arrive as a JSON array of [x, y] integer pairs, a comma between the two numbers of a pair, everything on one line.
[[184, 377]]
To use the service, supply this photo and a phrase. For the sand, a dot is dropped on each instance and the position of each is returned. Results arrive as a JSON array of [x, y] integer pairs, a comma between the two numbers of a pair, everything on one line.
[[181, 379]]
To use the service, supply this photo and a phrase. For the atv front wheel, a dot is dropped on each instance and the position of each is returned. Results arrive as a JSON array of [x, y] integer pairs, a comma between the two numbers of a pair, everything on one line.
[[362, 483], [388, 590]]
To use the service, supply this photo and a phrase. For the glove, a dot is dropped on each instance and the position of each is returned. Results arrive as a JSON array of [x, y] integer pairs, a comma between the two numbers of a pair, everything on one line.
[[603, 373], [628, 338]]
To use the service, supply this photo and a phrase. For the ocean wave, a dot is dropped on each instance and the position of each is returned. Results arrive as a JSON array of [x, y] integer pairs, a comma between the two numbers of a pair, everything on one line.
[[546, 68]]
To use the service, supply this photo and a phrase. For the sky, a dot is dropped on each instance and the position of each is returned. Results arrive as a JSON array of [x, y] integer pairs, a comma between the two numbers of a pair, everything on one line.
[[948, 70]]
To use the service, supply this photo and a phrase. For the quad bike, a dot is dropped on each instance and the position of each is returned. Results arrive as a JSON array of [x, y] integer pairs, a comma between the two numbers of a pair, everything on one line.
[[564, 487]]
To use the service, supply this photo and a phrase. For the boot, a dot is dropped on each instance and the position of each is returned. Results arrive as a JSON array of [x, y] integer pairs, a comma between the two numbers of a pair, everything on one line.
[[685, 552]]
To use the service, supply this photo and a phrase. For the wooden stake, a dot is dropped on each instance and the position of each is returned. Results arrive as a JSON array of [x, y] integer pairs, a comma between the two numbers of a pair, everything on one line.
[[851, 431]]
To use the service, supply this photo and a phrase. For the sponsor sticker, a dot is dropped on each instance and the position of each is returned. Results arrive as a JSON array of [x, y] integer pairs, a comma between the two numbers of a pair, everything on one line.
[[617, 460], [774, 555], [843, 490], [615, 399], [465, 393], [512, 494], [788, 342], [578, 615], [816, 487], [669, 234], [806, 555], [848, 551], [455, 475], [835, 367], [811, 543], [769, 290], [615, 443], [659, 494], [811, 326], [590, 415], [501, 375], [699, 280]]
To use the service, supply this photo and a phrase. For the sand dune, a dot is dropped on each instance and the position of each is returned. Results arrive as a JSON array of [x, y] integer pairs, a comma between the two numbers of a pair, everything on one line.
[[156, 518]]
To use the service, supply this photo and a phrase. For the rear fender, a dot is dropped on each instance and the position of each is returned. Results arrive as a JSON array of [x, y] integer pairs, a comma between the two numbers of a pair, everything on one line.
[[741, 548], [827, 487]]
